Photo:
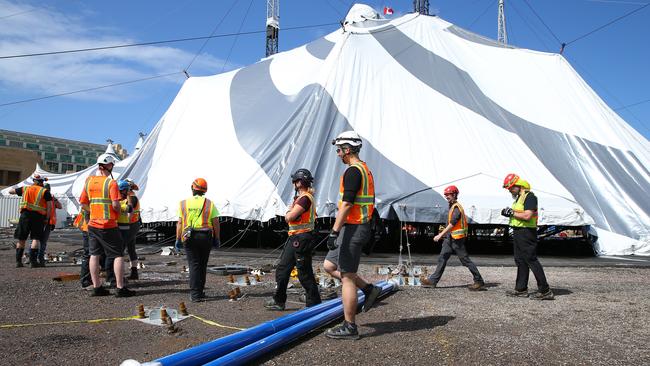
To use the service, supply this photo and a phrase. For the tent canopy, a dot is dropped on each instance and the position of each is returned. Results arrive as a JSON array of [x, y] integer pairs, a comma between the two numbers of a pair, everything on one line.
[[434, 104]]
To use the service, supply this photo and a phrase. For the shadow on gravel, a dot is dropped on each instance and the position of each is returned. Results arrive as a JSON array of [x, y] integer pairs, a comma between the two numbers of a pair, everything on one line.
[[561, 291], [487, 285], [162, 291], [407, 325], [156, 283]]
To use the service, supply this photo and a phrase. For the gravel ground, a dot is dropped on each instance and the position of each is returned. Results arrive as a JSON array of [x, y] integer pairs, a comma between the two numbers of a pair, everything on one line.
[[600, 316]]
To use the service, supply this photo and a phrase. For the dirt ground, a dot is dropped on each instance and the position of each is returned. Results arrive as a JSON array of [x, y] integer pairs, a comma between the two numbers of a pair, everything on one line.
[[600, 316]]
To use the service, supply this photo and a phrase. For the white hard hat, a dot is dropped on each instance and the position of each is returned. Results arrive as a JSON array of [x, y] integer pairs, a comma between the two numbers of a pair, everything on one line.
[[348, 137], [106, 159]]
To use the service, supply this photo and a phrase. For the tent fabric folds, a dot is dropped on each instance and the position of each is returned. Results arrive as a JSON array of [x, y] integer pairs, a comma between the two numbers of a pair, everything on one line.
[[434, 104]]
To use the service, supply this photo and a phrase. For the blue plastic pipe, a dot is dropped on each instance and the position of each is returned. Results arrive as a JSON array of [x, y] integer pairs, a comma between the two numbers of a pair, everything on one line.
[[209, 351], [256, 349]]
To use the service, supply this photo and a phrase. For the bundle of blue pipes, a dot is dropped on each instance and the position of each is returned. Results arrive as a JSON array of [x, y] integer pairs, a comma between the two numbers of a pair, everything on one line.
[[246, 345]]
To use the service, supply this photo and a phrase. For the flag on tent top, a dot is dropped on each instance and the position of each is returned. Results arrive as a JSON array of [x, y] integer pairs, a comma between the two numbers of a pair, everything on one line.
[[388, 10]]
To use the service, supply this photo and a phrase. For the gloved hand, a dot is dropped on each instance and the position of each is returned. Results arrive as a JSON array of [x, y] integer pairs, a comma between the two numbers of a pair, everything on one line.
[[178, 245], [507, 212], [52, 227], [331, 240], [216, 243]]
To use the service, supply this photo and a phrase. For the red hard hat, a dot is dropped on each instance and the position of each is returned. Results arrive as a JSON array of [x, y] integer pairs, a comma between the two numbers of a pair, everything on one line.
[[451, 190], [200, 185], [510, 180]]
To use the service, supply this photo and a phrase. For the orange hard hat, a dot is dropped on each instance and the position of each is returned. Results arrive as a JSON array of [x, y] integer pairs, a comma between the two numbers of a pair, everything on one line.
[[451, 190], [510, 180], [200, 185]]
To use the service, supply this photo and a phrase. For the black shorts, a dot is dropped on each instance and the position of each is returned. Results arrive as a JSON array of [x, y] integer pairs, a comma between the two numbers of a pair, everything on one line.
[[351, 241], [32, 224], [106, 241]]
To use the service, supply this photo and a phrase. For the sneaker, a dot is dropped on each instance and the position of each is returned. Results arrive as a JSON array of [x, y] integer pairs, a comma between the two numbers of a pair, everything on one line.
[[548, 295], [272, 305], [427, 283], [124, 292], [517, 293], [371, 298], [100, 291], [477, 286], [343, 331]]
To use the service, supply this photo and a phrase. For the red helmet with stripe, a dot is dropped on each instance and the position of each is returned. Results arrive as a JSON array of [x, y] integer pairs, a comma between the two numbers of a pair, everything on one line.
[[451, 190], [510, 180], [200, 185]]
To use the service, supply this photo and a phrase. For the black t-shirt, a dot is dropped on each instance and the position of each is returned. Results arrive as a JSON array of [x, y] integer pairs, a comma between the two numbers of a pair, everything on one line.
[[304, 202], [46, 196], [351, 184], [530, 203]]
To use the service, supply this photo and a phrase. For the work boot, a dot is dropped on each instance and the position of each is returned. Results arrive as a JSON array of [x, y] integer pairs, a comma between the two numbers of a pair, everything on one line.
[[100, 291], [371, 297], [272, 305], [19, 257], [134, 274], [517, 293], [33, 261], [547, 295], [477, 286], [343, 331], [41, 262], [201, 297], [124, 292], [427, 283]]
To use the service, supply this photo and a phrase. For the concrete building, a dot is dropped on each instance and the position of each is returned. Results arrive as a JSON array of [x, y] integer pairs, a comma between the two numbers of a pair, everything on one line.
[[16, 165], [56, 155]]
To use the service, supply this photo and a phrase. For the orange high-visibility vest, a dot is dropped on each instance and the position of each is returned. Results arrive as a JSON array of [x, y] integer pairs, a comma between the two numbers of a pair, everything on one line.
[[53, 211], [204, 222], [33, 200], [459, 230], [305, 222], [81, 221], [364, 202], [97, 189]]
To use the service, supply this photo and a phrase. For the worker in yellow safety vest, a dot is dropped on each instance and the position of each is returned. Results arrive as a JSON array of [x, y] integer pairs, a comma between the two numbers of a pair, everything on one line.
[[197, 231], [454, 235], [351, 232], [522, 217], [299, 247], [35, 213], [129, 221]]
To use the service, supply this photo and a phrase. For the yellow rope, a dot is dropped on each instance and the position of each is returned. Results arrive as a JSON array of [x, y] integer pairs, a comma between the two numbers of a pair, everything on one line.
[[66, 322], [94, 321], [206, 321]]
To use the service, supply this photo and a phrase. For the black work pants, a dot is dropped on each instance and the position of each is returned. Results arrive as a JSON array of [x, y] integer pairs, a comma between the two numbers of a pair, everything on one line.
[[197, 251], [525, 253], [84, 274], [298, 251], [449, 246]]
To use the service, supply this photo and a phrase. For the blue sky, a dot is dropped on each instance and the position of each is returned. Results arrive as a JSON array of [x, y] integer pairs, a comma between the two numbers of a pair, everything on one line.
[[615, 61]]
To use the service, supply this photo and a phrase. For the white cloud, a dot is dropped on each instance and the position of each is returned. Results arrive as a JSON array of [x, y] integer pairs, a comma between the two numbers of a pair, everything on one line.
[[46, 29]]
